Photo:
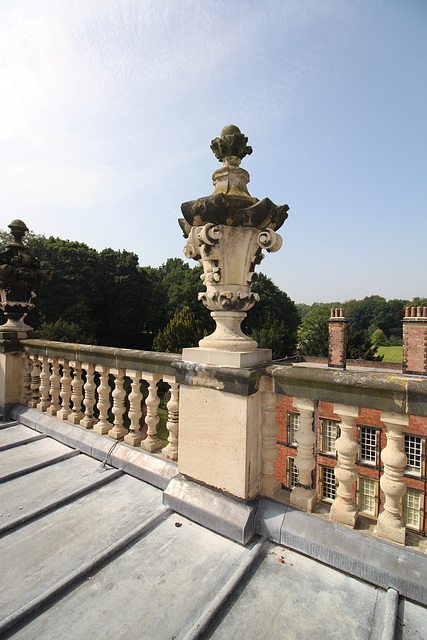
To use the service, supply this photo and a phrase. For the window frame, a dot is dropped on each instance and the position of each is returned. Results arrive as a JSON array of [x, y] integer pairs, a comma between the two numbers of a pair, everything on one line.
[[377, 431], [363, 512], [321, 484], [421, 509], [291, 415], [410, 470], [290, 470], [322, 437]]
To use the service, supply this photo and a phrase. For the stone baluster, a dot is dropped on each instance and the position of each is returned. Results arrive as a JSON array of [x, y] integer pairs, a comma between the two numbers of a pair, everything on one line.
[[270, 485], [65, 392], [152, 442], [88, 419], [390, 525], [26, 382], [103, 425], [134, 436], [54, 388], [76, 393], [170, 452], [343, 509], [35, 382], [119, 394], [303, 496], [44, 385]]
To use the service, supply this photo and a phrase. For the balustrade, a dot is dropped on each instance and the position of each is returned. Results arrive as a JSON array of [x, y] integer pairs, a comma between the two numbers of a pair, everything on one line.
[[390, 523], [270, 485], [65, 393], [103, 398], [343, 508], [54, 388], [303, 495]]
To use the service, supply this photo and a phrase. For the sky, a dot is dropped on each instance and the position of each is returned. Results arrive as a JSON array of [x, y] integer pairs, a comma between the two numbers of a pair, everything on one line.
[[107, 110]]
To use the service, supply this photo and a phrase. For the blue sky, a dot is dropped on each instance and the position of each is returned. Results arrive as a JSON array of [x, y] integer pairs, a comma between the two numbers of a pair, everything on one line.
[[107, 110]]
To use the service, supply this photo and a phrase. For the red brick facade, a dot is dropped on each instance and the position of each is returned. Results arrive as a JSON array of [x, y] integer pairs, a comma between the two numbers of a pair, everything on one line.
[[367, 426]]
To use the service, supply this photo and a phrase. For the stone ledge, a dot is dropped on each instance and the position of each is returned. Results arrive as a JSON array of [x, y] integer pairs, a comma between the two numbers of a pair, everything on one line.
[[150, 361], [375, 390]]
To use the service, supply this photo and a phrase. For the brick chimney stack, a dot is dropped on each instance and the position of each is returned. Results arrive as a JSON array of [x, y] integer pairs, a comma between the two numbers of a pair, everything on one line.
[[415, 341], [337, 339]]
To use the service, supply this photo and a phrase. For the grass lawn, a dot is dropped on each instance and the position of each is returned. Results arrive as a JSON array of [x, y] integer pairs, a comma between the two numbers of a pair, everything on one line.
[[391, 354]]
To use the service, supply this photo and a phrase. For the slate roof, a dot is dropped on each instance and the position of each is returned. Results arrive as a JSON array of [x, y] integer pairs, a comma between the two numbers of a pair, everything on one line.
[[90, 548]]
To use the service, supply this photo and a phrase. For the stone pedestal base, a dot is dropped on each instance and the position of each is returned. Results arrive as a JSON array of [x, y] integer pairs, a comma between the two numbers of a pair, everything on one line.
[[220, 439], [133, 439], [344, 514], [223, 358], [390, 530], [303, 498], [270, 487]]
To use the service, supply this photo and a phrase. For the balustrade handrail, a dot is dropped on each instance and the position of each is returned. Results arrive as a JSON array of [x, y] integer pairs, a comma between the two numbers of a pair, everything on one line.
[[386, 391], [151, 361]]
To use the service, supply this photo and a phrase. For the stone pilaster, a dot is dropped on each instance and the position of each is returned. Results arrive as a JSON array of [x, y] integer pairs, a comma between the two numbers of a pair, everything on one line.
[[390, 525], [415, 341], [343, 509], [337, 339], [12, 365], [303, 495]]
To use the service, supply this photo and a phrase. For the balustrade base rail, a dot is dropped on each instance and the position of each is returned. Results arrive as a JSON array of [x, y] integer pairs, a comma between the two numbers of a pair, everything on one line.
[[150, 468]]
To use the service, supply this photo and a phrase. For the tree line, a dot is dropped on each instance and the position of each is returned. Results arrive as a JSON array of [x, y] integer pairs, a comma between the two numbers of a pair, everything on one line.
[[107, 298], [373, 321]]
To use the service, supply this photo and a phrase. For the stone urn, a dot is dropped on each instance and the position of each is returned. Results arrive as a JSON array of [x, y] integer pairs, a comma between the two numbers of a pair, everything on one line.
[[20, 272], [226, 233]]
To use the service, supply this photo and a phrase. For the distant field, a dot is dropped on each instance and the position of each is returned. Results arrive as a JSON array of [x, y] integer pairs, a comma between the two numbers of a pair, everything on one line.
[[391, 354]]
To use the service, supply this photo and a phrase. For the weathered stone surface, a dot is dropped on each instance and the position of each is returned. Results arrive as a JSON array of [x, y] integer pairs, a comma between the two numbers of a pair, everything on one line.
[[226, 233], [219, 439]]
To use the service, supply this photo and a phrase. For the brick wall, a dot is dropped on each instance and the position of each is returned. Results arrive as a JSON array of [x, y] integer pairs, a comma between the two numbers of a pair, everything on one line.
[[368, 418]]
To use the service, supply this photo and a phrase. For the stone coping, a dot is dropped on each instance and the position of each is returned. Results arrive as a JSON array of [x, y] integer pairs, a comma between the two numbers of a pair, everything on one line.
[[385, 391], [150, 361]]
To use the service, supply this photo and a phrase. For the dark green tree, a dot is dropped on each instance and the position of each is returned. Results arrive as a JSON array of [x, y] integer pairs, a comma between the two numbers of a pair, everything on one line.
[[183, 330], [313, 332], [63, 331], [379, 339], [275, 312], [359, 345]]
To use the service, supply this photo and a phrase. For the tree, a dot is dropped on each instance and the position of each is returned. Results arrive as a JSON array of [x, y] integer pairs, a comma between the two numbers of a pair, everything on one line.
[[272, 334], [183, 330], [359, 345], [173, 286], [379, 339], [313, 333], [274, 320], [63, 331]]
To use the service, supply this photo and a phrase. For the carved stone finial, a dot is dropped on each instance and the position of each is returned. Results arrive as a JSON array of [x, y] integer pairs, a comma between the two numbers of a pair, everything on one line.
[[227, 232], [18, 229], [231, 144], [20, 272]]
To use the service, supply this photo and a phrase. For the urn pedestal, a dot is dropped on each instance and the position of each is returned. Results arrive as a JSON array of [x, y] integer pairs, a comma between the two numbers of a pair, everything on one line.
[[220, 416]]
